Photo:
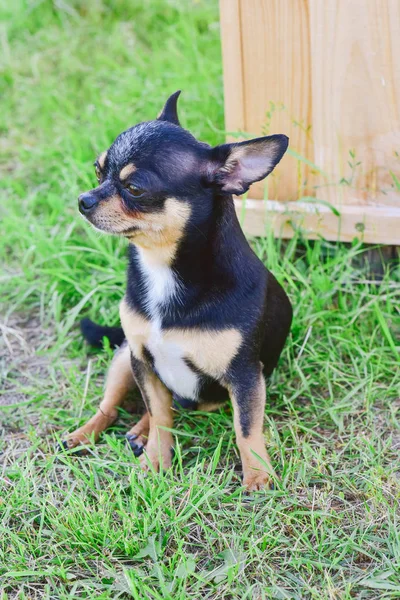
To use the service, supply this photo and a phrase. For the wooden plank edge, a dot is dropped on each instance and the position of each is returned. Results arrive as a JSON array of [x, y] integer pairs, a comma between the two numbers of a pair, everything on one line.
[[371, 224], [232, 57]]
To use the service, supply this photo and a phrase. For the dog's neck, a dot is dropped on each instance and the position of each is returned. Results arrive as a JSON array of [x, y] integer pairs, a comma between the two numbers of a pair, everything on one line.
[[180, 270]]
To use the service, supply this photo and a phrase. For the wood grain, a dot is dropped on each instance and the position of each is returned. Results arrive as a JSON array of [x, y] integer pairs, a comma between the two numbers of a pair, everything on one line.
[[276, 85], [370, 224], [326, 73], [355, 59], [231, 39]]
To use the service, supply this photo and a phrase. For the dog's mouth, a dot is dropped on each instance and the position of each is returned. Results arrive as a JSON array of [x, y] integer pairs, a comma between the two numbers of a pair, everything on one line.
[[114, 223], [106, 226], [110, 215], [130, 230]]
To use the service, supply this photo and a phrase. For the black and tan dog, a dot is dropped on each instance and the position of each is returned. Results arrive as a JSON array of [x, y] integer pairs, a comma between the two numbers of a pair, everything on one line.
[[201, 315]]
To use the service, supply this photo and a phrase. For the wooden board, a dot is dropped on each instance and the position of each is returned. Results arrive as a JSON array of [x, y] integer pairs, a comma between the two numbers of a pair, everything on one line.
[[232, 57], [318, 221], [267, 80], [355, 60], [326, 73]]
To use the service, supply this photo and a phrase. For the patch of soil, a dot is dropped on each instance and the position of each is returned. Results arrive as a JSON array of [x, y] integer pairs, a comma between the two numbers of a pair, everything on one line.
[[20, 339]]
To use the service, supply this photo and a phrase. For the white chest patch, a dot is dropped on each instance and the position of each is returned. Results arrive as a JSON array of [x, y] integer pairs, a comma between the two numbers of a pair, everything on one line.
[[170, 365], [162, 287]]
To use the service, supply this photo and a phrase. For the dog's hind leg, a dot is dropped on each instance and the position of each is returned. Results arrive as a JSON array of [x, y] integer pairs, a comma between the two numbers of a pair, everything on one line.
[[119, 382]]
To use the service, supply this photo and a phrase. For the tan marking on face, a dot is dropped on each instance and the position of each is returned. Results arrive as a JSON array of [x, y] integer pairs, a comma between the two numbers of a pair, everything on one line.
[[159, 239], [110, 216], [126, 171], [119, 382], [256, 474], [102, 159], [158, 234]]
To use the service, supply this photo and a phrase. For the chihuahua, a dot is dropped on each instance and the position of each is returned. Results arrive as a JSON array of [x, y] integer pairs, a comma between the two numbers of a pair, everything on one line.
[[202, 317]]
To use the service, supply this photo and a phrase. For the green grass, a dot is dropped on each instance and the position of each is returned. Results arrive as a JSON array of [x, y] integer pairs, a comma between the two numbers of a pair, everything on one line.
[[75, 74]]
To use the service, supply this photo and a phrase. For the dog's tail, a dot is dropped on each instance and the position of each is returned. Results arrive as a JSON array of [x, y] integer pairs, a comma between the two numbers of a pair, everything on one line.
[[94, 334]]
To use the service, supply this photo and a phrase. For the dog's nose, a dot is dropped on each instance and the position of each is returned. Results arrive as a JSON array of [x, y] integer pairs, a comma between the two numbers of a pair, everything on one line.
[[87, 202]]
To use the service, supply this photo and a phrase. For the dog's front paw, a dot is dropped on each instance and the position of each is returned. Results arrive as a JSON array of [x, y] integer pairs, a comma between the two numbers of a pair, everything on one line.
[[78, 444], [257, 480]]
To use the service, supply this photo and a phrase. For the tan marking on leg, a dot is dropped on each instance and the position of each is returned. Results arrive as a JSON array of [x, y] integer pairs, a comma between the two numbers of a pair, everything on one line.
[[160, 441], [126, 171], [136, 328], [142, 426], [141, 430], [211, 351], [102, 159], [256, 474], [119, 381], [209, 406]]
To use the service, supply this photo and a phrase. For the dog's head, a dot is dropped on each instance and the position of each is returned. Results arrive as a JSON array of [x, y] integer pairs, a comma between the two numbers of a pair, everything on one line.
[[156, 177]]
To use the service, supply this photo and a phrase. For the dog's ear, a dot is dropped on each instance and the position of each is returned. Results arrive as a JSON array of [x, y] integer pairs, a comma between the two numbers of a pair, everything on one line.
[[237, 166], [169, 112]]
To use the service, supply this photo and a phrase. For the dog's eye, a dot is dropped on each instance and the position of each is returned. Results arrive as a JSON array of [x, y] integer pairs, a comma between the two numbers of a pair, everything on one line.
[[98, 173], [134, 191]]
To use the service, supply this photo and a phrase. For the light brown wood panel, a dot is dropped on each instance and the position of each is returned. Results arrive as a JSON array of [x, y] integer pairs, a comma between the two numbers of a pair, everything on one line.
[[355, 59], [231, 39], [371, 224], [333, 65], [276, 84]]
